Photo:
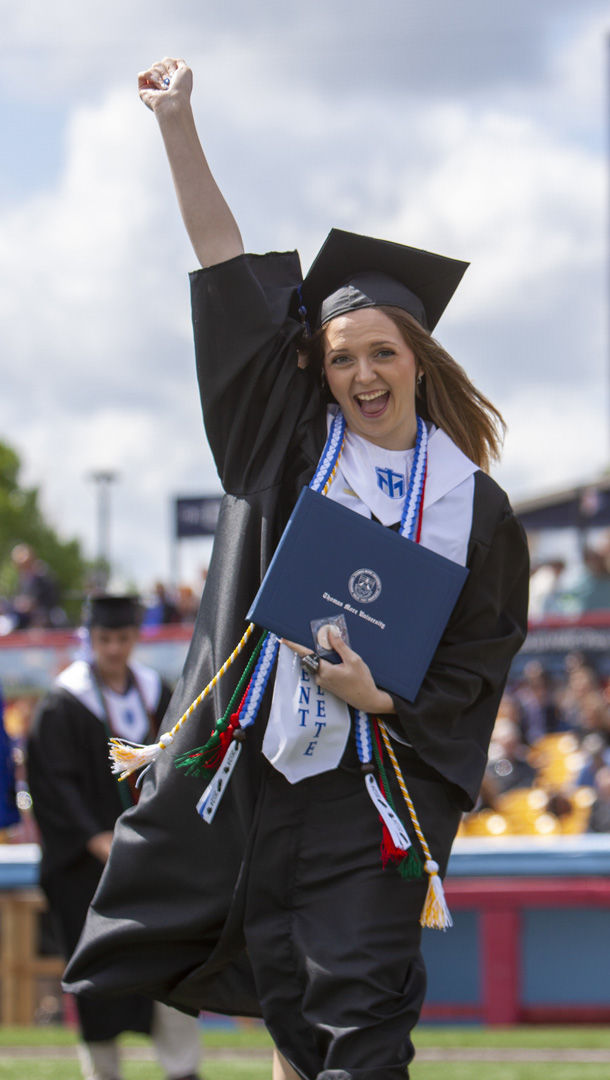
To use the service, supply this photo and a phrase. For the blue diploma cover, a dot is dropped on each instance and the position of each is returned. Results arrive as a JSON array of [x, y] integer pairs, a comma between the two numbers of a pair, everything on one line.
[[396, 595]]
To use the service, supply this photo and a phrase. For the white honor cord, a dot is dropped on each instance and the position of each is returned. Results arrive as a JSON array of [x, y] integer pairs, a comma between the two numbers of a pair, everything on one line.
[[210, 800], [391, 820]]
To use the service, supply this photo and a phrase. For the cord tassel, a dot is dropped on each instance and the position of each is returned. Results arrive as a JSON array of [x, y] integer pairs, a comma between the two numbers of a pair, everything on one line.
[[127, 757], [435, 913]]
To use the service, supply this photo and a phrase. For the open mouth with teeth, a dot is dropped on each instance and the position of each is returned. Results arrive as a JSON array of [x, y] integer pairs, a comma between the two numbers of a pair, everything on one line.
[[373, 403]]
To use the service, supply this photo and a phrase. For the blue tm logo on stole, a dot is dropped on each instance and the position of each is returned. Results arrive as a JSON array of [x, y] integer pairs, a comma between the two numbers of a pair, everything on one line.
[[391, 483], [311, 709]]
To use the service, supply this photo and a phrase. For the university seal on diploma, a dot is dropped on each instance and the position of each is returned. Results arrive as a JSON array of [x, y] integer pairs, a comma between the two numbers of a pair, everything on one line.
[[395, 625]]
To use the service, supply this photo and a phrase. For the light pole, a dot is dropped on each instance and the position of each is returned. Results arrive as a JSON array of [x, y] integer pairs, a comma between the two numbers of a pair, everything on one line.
[[103, 478]]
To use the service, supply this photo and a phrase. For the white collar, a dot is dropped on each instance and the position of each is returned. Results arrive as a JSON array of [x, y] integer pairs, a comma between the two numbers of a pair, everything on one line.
[[447, 466], [78, 680]]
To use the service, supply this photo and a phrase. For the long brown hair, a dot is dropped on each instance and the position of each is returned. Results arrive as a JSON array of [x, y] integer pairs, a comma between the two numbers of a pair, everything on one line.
[[445, 395]]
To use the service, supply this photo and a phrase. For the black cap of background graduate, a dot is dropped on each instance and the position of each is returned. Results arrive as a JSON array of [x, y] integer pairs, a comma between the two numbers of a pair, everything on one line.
[[352, 271], [114, 612]]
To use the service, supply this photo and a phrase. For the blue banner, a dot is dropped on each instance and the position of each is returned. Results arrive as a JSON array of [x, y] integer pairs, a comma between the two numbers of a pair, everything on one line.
[[197, 516]]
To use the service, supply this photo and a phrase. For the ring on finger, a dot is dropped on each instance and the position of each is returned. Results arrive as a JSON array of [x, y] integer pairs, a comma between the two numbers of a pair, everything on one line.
[[311, 663]]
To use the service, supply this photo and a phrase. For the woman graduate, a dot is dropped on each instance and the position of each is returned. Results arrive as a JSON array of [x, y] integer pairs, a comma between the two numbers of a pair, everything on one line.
[[282, 906]]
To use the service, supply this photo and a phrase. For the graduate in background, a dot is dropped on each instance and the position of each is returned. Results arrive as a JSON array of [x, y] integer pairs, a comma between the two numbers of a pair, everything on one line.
[[76, 802], [282, 907]]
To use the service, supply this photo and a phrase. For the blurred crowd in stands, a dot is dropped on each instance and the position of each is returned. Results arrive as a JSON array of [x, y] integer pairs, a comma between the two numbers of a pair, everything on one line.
[[36, 600], [549, 759], [557, 588]]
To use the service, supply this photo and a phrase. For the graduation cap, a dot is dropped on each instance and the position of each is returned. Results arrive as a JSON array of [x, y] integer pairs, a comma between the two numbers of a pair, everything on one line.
[[352, 271], [114, 612]]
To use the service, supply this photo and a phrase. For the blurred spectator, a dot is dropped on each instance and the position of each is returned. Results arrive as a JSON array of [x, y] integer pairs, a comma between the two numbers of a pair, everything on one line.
[[582, 680], [546, 588], [591, 592], [597, 754], [508, 765], [36, 600], [599, 822], [187, 604], [539, 712], [593, 716], [573, 661], [162, 611]]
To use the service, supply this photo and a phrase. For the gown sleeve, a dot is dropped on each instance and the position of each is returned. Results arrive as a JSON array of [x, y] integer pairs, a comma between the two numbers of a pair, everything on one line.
[[59, 781], [450, 723], [257, 403]]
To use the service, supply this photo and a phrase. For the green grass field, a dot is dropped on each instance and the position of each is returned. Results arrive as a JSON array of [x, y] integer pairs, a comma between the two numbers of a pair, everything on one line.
[[242, 1066]]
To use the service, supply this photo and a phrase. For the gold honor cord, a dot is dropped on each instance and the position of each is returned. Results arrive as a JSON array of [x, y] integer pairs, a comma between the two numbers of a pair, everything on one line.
[[435, 913], [127, 757]]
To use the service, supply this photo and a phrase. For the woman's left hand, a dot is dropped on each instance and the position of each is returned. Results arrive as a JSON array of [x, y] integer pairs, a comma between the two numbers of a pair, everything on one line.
[[351, 680]]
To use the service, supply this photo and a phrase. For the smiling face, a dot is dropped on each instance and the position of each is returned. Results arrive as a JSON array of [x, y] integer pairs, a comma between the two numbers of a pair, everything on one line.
[[371, 372]]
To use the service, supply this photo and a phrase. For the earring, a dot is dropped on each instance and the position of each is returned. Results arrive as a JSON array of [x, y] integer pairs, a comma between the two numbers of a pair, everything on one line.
[[420, 377]]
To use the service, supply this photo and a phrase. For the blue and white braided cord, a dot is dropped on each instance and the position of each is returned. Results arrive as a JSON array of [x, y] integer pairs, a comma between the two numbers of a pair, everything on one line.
[[330, 454], [259, 680], [408, 525], [364, 743]]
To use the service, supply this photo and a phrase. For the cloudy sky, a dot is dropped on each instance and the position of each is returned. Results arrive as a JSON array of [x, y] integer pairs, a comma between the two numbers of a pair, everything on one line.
[[470, 127]]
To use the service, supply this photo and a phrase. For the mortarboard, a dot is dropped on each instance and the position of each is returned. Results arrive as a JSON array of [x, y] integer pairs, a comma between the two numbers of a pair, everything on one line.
[[352, 271], [114, 612]]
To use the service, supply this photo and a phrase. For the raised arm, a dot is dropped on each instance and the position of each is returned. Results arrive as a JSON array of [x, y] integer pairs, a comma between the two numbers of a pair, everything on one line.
[[166, 89]]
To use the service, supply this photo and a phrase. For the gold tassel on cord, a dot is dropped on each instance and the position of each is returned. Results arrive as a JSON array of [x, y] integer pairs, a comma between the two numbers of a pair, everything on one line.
[[435, 913]]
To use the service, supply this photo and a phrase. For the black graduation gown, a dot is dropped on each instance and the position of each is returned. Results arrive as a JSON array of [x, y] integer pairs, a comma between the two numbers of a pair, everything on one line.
[[74, 797], [179, 935]]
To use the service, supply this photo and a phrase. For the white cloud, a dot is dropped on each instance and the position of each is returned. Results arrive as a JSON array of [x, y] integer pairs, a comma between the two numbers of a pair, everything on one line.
[[524, 208], [99, 368], [554, 440]]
